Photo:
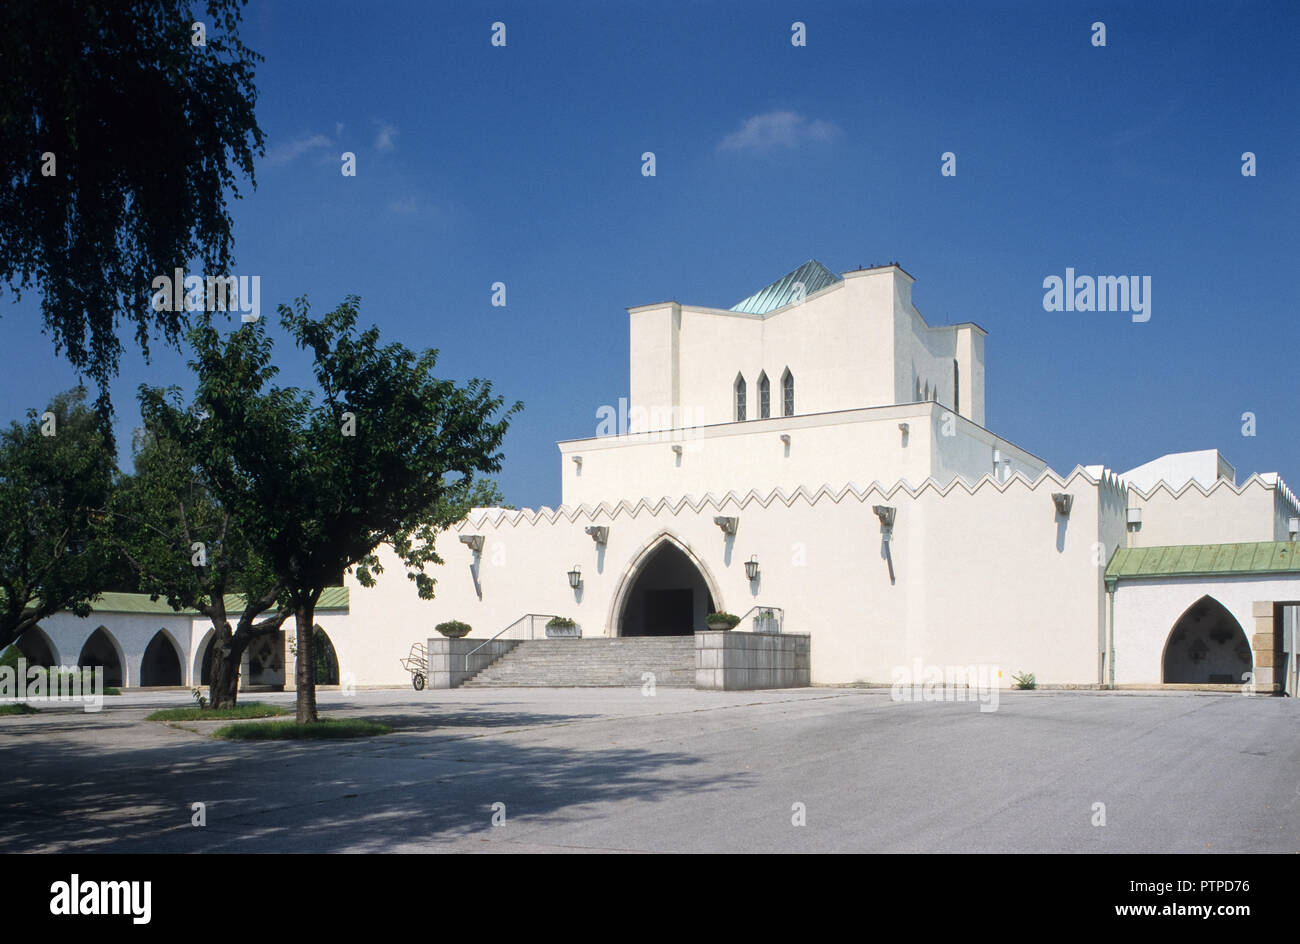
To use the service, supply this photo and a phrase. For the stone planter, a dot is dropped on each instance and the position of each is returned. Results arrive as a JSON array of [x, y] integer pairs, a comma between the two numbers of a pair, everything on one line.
[[719, 626], [564, 632]]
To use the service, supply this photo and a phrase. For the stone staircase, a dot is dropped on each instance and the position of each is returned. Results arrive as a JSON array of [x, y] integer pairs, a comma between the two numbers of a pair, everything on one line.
[[600, 662]]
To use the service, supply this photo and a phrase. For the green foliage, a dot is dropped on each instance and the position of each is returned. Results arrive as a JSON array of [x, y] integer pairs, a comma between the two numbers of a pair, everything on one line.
[[1025, 680], [18, 708], [325, 729], [148, 132], [320, 500], [454, 628], [249, 709], [474, 493], [53, 489], [560, 622], [185, 543], [729, 618], [385, 454], [9, 658]]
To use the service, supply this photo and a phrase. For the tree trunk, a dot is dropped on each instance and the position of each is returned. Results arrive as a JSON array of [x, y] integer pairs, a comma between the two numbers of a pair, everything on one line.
[[223, 686], [304, 614]]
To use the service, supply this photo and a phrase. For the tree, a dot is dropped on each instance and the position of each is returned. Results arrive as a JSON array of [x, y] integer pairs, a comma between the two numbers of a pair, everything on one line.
[[57, 472], [119, 136], [185, 545], [388, 454]]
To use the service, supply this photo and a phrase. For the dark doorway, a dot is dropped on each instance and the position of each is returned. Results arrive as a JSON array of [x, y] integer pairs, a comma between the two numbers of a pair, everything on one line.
[[1207, 646], [326, 659], [669, 596], [669, 612], [36, 647], [161, 665], [100, 650]]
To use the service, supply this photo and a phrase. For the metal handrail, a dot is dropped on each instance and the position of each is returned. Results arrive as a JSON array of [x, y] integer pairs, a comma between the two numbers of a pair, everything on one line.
[[526, 616], [779, 612]]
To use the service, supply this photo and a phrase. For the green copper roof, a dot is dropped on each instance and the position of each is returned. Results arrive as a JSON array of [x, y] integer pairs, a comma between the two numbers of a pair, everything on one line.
[[1205, 560], [332, 598], [780, 293]]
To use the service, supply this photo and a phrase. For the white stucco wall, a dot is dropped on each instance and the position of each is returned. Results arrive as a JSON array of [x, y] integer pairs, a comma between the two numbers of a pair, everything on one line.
[[986, 575], [1205, 466], [1222, 514], [857, 343], [1147, 610], [132, 633], [859, 446]]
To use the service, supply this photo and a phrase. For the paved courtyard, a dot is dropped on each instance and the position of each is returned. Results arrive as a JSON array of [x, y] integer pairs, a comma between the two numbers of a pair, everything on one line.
[[612, 770]]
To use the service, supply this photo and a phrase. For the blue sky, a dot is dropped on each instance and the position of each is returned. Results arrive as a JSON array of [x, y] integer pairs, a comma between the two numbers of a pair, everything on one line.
[[521, 164]]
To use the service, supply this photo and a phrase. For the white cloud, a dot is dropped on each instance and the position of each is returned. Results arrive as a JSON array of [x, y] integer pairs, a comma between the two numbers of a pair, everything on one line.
[[774, 129], [296, 148], [386, 138]]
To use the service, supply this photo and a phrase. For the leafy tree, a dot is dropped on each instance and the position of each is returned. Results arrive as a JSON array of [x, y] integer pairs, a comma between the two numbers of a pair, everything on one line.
[[387, 454], [476, 493], [118, 139], [57, 472], [185, 545]]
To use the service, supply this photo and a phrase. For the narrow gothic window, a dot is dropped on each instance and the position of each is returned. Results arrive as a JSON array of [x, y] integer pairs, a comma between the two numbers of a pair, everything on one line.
[[956, 389], [787, 393], [740, 397], [764, 397]]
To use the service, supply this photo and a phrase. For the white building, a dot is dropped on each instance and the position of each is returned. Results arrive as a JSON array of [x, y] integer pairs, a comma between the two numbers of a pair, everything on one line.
[[824, 436]]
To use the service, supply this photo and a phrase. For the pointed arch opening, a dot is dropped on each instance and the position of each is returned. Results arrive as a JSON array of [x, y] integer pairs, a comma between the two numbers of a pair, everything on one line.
[[326, 659], [161, 665], [102, 649], [764, 396], [666, 591], [1206, 646], [203, 659], [37, 648], [787, 393], [739, 391]]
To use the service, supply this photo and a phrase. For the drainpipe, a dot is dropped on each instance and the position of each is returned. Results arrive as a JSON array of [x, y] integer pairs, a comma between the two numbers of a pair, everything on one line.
[[1110, 621]]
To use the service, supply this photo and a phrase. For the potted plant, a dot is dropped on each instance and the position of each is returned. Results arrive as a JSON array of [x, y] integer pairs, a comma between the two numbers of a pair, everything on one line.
[[559, 627], [453, 629], [765, 620], [722, 621]]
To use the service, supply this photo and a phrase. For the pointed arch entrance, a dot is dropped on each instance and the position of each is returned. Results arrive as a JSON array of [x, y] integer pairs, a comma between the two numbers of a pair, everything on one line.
[[37, 648], [1206, 646], [666, 591], [102, 649], [161, 664]]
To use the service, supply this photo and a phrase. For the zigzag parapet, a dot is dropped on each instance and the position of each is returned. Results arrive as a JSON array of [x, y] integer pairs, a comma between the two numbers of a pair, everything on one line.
[[675, 506], [1269, 480]]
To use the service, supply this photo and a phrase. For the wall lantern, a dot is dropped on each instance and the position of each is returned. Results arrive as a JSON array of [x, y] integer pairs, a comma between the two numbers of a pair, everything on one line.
[[728, 525], [1134, 518], [751, 567], [1064, 501], [1293, 526], [599, 533], [575, 577], [473, 541]]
